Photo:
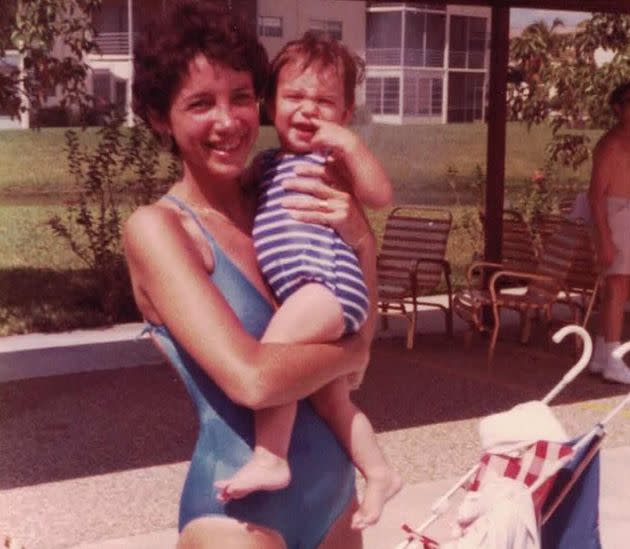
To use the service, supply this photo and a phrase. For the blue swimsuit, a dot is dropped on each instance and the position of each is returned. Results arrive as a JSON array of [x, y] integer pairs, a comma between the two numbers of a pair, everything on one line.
[[322, 482]]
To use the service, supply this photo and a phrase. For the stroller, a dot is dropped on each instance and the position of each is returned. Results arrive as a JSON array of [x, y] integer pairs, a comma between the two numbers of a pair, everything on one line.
[[532, 487]]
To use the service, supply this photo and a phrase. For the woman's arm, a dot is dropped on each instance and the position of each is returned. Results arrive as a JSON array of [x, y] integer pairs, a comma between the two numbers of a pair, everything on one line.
[[170, 274]]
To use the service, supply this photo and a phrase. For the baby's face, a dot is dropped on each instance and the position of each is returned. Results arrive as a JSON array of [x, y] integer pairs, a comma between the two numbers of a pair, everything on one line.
[[304, 94]]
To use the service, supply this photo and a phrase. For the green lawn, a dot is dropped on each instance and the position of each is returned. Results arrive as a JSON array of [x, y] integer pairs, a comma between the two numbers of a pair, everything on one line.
[[43, 286], [416, 156]]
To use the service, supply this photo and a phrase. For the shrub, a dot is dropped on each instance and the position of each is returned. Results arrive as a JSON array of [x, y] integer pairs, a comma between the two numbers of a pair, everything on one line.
[[119, 174]]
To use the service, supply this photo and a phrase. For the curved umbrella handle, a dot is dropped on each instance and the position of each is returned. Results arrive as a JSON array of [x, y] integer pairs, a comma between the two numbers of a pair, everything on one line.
[[587, 350]]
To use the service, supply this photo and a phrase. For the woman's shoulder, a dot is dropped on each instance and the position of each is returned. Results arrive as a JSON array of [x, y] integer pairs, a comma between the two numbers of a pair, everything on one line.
[[160, 212], [152, 223]]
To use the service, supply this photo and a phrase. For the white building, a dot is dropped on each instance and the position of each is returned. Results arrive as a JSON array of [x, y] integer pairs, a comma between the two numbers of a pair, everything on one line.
[[425, 62]]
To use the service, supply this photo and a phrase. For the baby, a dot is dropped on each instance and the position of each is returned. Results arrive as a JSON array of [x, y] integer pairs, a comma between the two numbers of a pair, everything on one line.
[[313, 273]]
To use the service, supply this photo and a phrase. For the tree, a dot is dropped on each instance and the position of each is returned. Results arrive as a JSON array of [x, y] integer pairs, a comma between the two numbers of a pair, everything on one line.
[[51, 37], [556, 79]]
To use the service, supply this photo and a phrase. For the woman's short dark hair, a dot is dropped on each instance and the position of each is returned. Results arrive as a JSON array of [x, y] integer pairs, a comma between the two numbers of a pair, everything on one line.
[[618, 94], [319, 48], [186, 29]]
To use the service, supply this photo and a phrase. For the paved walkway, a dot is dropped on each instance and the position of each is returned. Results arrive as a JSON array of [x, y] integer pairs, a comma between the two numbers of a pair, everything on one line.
[[413, 503], [96, 458]]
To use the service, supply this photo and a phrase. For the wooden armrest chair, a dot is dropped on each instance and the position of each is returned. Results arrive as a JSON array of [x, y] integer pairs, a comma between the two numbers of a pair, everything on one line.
[[543, 288], [411, 264], [518, 249], [584, 278]]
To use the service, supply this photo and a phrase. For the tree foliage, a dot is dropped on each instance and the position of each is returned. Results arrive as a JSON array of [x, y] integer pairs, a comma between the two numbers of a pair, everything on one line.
[[555, 78], [51, 36]]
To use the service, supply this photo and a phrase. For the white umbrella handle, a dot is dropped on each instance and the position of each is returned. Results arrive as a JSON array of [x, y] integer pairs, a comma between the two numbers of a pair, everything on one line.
[[621, 350], [587, 350]]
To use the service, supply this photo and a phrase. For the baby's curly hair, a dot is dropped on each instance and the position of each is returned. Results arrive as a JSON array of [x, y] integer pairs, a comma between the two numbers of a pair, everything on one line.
[[186, 29], [319, 48]]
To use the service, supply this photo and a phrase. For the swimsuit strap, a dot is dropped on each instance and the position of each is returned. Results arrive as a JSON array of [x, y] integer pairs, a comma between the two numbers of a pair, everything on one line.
[[239, 291], [185, 207]]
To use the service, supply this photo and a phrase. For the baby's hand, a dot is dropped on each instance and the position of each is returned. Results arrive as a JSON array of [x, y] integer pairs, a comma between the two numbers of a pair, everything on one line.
[[333, 139]]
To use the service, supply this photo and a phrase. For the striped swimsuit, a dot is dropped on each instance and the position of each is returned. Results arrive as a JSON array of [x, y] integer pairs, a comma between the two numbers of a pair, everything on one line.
[[291, 253]]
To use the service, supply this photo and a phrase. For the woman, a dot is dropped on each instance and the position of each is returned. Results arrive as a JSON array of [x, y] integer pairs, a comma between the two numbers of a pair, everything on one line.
[[198, 78]]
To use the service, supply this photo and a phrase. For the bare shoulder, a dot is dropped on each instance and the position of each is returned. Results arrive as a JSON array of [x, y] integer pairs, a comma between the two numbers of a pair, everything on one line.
[[149, 215], [150, 228]]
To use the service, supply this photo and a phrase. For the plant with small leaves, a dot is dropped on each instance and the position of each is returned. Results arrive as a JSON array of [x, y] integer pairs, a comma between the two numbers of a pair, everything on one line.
[[118, 175]]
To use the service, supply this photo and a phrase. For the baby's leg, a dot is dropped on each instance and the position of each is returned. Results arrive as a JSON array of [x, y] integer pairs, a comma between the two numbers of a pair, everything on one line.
[[310, 314], [355, 432]]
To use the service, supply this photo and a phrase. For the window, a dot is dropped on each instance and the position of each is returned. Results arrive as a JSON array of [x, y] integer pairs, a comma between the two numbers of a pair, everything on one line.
[[465, 96], [468, 42], [436, 40], [383, 95], [269, 26], [423, 41], [330, 27], [383, 29], [101, 86], [391, 97], [383, 38], [422, 96]]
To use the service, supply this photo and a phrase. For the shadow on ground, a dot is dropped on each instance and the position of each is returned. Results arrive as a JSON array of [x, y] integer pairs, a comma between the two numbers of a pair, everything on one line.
[[54, 300], [86, 424]]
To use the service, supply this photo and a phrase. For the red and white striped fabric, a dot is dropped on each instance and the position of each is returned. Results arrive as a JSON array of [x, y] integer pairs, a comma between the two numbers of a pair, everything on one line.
[[535, 461]]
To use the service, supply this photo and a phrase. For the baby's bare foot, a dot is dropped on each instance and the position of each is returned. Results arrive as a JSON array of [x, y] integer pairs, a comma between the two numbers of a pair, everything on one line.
[[264, 471], [379, 489]]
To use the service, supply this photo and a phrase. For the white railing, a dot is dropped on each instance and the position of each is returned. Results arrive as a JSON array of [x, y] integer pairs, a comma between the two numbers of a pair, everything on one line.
[[113, 43], [383, 56], [413, 57], [466, 59]]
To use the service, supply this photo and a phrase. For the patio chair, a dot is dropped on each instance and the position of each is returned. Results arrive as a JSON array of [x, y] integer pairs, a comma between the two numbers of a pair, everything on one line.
[[584, 278], [518, 250], [411, 264], [543, 288]]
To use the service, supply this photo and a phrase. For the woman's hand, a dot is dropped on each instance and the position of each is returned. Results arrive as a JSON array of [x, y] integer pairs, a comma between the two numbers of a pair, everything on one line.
[[328, 203]]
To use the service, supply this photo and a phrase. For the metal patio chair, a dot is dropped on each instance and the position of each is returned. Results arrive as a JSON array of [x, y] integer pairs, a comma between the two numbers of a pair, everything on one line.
[[541, 288], [412, 264]]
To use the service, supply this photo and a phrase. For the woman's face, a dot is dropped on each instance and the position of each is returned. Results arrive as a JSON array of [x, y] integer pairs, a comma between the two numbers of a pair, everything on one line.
[[214, 119]]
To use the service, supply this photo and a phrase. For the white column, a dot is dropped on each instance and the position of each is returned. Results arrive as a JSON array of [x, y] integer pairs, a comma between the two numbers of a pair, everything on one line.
[[128, 108], [25, 104], [445, 63], [401, 86]]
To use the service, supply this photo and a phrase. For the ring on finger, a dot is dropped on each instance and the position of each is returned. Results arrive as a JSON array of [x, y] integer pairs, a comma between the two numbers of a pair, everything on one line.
[[323, 204]]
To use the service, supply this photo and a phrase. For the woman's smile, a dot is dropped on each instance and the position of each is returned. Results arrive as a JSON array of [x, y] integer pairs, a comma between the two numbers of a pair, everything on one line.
[[214, 118]]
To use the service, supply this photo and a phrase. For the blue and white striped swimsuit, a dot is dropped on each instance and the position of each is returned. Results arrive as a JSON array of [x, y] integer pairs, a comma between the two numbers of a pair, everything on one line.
[[292, 253]]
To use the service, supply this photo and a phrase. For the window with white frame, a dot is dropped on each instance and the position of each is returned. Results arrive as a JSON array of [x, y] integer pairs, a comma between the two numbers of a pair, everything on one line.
[[330, 27], [383, 38], [468, 42], [382, 95], [425, 37], [269, 25], [422, 96]]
